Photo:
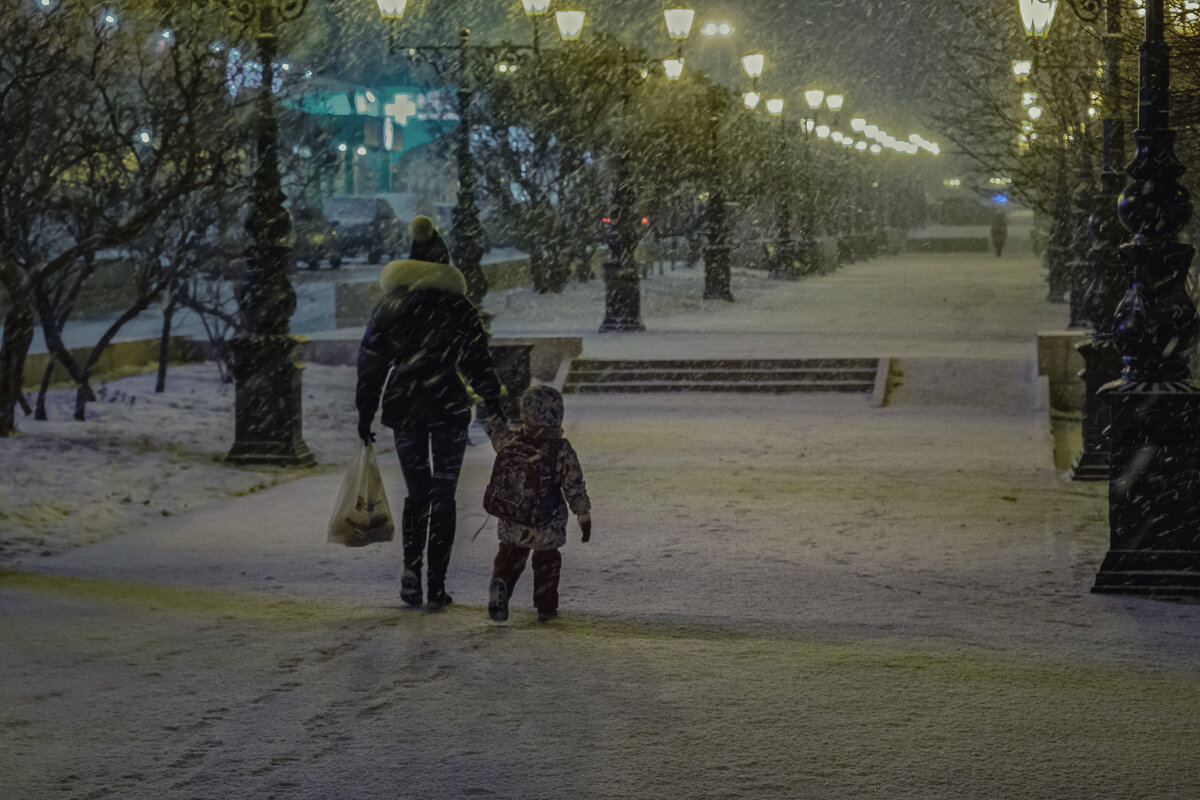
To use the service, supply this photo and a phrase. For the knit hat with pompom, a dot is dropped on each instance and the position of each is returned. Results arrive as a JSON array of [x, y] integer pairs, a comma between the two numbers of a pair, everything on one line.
[[427, 243]]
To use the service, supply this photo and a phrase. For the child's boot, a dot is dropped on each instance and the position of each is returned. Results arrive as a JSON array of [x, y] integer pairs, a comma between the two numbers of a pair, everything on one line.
[[498, 600]]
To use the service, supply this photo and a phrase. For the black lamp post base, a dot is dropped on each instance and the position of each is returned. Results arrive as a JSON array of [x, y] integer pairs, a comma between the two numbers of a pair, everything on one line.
[[1154, 510], [717, 274], [267, 408], [1156, 574], [622, 298], [270, 454], [620, 326]]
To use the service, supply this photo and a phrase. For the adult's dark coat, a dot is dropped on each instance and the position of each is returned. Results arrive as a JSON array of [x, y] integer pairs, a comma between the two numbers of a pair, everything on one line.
[[430, 337]]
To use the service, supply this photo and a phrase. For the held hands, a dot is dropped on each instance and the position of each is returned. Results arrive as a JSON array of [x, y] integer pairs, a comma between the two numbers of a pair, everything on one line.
[[585, 525], [495, 424]]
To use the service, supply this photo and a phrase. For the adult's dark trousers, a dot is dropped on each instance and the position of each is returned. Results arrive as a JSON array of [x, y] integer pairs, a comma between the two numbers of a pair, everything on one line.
[[547, 567], [431, 460]]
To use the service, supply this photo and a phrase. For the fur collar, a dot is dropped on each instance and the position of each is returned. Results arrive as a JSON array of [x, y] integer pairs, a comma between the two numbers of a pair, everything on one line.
[[422, 275]]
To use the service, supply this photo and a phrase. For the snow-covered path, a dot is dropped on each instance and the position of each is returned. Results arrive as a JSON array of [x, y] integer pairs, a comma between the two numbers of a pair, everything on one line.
[[785, 596]]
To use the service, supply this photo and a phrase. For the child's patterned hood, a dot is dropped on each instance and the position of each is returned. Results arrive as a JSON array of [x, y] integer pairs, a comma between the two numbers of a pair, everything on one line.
[[542, 411]]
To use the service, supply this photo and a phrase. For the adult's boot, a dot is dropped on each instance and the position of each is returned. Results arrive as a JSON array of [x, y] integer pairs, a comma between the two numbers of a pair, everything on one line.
[[443, 519], [414, 530]]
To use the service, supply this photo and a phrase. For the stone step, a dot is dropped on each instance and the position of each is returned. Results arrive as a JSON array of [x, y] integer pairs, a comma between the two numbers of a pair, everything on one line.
[[728, 386], [728, 363], [717, 375], [775, 376]]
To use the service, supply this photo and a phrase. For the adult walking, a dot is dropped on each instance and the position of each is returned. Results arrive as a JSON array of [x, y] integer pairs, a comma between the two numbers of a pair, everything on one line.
[[422, 336]]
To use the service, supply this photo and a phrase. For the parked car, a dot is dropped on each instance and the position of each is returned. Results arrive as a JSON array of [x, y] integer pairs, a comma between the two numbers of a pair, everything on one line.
[[314, 238], [367, 225]]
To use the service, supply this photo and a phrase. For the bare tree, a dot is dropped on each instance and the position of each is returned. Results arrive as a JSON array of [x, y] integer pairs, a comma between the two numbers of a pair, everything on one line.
[[95, 106]]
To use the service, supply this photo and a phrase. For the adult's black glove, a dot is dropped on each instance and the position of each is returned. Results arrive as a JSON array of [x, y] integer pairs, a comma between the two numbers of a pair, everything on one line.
[[365, 433], [495, 409]]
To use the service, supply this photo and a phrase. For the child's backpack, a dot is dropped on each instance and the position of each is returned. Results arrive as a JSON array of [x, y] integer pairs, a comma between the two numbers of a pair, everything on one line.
[[524, 487]]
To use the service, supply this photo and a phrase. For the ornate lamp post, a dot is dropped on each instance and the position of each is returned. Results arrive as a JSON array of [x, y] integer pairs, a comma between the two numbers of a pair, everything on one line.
[[1154, 484], [459, 63], [811, 259], [267, 415], [1101, 359], [535, 10], [786, 264], [834, 102], [717, 275], [1097, 274], [1036, 17], [622, 281]]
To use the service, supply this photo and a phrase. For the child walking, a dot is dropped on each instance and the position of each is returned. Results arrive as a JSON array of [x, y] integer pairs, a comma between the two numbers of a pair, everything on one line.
[[541, 434]]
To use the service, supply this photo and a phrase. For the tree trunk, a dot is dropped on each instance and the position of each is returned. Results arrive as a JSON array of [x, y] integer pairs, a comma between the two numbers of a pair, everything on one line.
[[539, 269], [18, 336], [164, 347], [83, 391], [40, 413]]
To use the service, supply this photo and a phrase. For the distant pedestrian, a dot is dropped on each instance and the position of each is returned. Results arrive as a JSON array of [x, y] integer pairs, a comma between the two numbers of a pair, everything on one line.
[[421, 337], [999, 232], [540, 434], [427, 243]]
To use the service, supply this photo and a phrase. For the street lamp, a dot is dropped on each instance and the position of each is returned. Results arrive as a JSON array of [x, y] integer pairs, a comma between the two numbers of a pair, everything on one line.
[[1106, 276], [834, 102], [622, 283], [1099, 275], [466, 234], [1154, 476], [717, 277], [784, 263], [535, 10], [267, 404]]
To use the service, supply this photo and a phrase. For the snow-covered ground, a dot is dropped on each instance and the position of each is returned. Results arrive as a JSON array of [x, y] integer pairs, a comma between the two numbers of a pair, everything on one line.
[[785, 596]]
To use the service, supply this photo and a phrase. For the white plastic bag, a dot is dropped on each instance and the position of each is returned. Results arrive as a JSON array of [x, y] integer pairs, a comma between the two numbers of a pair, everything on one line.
[[362, 515]]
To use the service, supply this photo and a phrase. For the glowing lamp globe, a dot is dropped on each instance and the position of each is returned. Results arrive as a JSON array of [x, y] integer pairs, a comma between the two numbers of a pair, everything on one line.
[[1037, 15], [391, 9], [679, 22], [570, 24], [753, 64]]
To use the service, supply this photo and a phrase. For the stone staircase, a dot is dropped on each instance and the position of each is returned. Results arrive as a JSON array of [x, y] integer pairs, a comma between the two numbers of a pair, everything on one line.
[[775, 376]]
